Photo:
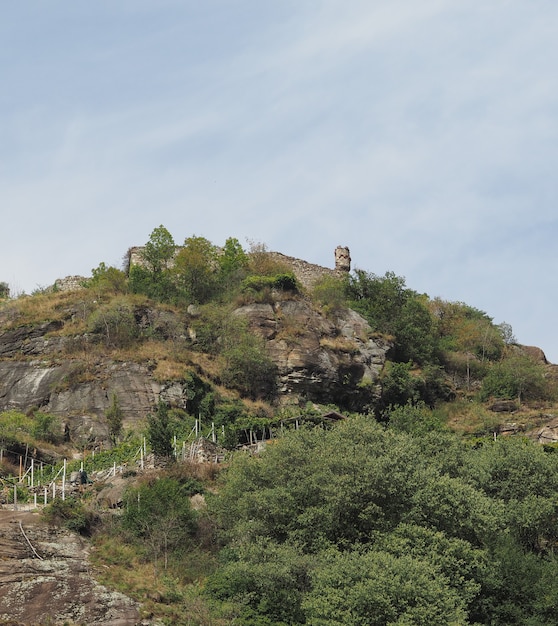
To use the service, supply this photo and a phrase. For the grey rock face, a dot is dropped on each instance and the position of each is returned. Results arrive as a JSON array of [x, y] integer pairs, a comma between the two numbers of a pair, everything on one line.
[[319, 359]]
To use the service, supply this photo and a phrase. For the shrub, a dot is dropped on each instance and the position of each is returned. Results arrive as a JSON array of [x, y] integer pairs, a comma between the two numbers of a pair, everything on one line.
[[46, 427], [72, 514], [516, 377], [116, 323], [285, 282], [248, 368], [330, 293]]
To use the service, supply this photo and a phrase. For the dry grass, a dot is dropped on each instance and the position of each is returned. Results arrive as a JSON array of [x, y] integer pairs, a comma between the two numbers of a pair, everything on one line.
[[468, 417], [339, 344], [173, 597]]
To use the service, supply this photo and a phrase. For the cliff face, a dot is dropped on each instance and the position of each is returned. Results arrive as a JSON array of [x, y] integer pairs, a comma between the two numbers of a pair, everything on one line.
[[326, 360], [319, 359]]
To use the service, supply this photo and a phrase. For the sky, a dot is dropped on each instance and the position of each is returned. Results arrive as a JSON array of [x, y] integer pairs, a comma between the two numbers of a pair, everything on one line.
[[422, 135]]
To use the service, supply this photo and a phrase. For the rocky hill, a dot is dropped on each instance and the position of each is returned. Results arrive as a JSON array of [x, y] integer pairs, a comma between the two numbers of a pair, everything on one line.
[[60, 367]]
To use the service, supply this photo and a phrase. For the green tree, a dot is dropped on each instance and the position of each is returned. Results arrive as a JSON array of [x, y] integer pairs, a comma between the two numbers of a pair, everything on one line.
[[154, 277], [107, 279], [393, 309], [195, 270], [232, 261], [158, 513], [115, 322], [376, 588], [247, 366], [159, 251], [159, 431], [114, 417], [46, 427], [4, 291], [517, 376]]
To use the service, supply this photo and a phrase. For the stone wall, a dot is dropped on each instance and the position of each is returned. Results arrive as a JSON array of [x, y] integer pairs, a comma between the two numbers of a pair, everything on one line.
[[306, 273], [70, 283]]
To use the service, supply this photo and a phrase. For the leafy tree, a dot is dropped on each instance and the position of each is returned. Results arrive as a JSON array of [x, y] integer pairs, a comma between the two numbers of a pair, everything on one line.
[[107, 279], [247, 366], [4, 291], [115, 322], [267, 580], [330, 292], [159, 514], [416, 419], [376, 588], [159, 431], [195, 270], [159, 251], [46, 427], [73, 514], [114, 417], [154, 277], [517, 376], [399, 387], [392, 308], [233, 261], [365, 525]]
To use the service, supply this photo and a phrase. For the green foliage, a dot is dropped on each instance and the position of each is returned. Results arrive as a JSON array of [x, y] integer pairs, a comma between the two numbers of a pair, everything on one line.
[[154, 278], [267, 580], [416, 419], [114, 417], [158, 514], [517, 376], [71, 513], [463, 328], [156, 286], [115, 322], [248, 368], [233, 261], [399, 386], [364, 525], [15, 426], [158, 252], [393, 309], [284, 282], [330, 293], [46, 427], [160, 432], [195, 270], [4, 291], [107, 280], [377, 588]]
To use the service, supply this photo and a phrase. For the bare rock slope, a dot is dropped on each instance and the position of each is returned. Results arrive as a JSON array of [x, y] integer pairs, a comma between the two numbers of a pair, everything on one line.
[[45, 578]]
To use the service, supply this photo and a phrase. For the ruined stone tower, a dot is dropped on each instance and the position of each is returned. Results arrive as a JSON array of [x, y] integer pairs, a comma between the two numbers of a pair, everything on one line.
[[342, 259]]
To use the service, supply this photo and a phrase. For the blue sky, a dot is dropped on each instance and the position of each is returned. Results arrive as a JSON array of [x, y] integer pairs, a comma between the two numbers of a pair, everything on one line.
[[423, 135]]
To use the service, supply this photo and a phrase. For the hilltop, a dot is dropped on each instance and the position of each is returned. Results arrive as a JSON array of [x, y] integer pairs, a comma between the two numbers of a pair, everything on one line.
[[192, 343]]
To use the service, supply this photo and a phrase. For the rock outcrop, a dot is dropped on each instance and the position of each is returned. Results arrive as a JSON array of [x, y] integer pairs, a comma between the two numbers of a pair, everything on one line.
[[322, 359], [319, 359], [45, 578]]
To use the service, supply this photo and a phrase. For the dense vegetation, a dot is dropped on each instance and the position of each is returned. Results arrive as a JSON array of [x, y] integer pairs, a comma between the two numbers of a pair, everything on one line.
[[386, 518]]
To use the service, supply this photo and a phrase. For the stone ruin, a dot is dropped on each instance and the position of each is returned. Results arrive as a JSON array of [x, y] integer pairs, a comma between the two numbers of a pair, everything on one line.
[[342, 259], [306, 273]]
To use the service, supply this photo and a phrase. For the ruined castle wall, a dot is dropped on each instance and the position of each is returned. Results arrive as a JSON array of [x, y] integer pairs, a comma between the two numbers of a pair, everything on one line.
[[306, 273]]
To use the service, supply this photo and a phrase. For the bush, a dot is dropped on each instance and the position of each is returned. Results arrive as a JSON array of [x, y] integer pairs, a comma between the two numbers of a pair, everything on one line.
[[516, 377], [285, 282], [46, 427], [116, 323], [247, 367], [72, 514], [329, 292]]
